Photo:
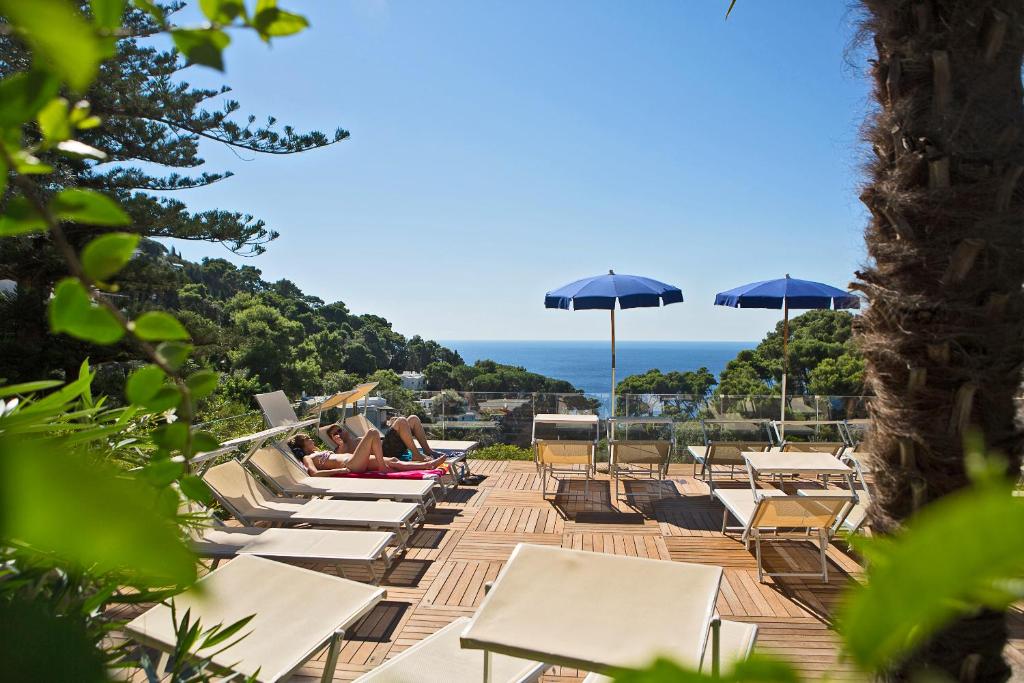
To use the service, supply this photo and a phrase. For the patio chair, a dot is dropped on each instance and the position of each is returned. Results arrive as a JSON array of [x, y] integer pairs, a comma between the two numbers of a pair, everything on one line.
[[296, 613], [773, 510], [638, 459], [277, 409], [832, 447], [287, 478], [440, 658], [249, 501], [564, 458], [736, 641], [336, 547], [725, 453]]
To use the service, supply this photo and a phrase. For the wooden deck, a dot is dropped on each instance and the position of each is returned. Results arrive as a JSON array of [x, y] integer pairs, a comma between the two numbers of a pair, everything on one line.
[[469, 537]]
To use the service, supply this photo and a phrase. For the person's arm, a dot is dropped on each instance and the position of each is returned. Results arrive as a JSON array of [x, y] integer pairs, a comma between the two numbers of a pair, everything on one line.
[[311, 469]]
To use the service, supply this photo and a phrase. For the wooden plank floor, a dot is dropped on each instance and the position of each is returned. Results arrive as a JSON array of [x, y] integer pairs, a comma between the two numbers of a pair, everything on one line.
[[468, 538]]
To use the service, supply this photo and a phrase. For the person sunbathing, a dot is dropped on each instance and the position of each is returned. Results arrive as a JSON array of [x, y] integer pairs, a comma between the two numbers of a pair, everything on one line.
[[366, 456], [397, 441]]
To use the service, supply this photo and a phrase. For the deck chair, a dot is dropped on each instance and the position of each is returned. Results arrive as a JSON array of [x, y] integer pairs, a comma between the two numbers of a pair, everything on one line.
[[249, 501], [832, 447], [284, 475], [638, 459], [296, 614], [277, 409], [439, 658], [725, 453], [564, 458], [773, 510], [336, 547], [736, 641]]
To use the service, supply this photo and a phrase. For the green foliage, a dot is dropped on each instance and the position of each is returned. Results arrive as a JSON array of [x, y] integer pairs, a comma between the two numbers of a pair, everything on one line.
[[502, 451], [72, 310], [819, 340], [756, 669], [105, 256]]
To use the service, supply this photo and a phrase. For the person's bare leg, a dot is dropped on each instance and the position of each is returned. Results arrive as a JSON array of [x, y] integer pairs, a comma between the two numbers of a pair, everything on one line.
[[404, 431], [416, 427], [398, 466], [361, 458]]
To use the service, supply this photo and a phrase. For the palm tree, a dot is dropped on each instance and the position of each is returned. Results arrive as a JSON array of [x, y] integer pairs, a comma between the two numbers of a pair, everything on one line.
[[943, 335]]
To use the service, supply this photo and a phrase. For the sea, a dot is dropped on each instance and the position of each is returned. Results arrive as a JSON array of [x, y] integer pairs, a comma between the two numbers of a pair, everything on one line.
[[587, 364]]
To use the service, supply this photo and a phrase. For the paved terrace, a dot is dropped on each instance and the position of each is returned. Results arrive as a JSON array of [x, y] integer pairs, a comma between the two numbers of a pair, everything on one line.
[[469, 537]]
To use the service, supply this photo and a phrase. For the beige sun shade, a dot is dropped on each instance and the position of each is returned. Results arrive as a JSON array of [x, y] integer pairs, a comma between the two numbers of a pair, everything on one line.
[[346, 397], [296, 545], [242, 494], [552, 418], [273, 465], [439, 658], [297, 612], [594, 611]]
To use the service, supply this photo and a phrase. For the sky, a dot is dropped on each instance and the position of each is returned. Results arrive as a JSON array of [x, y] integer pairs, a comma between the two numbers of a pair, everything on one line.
[[499, 150]]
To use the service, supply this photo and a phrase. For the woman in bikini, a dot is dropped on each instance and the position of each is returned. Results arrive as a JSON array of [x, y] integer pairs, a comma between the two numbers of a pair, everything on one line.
[[365, 455]]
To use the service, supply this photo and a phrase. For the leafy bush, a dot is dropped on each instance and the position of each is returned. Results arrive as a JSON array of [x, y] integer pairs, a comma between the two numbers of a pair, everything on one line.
[[502, 452]]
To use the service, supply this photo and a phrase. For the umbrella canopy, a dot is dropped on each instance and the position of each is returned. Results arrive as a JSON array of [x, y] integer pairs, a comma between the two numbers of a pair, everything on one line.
[[602, 292], [789, 291], [786, 293]]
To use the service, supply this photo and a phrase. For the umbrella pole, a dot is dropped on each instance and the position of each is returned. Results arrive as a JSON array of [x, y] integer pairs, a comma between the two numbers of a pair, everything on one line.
[[612, 409], [785, 367]]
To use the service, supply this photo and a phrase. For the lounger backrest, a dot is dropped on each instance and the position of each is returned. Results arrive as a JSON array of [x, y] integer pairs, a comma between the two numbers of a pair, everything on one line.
[[237, 489], [798, 512], [735, 641], [832, 447], [641, 452], [359, 424], [731, 452], [277, 409], [273, 464], [564, 452]]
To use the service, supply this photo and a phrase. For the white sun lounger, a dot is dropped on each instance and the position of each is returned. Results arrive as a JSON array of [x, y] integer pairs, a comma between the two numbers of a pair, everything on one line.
[[249, 501], [723, 453], [736, 641], [297, 612], [439, 658], [283, 474], [772, 510], [321, 546]]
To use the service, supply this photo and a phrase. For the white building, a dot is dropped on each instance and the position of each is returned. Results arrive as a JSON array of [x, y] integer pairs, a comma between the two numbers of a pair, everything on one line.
[[416, 381]]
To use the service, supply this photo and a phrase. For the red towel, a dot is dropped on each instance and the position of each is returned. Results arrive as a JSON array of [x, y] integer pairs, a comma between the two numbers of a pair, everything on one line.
[[410, 474]]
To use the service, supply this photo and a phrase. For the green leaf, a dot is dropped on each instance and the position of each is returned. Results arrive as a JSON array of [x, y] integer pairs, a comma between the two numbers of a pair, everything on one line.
[[150, 9], [53, 120], [204, 441], [27, 163], [88, 206], [158, 326], [273, 22], [88, 513], [28, 387], [160, 473], [24, 625], [219, 634], [756, 669], [59, 36], [202, 383], [174, 353], [222, 11], [105, 256], [957, 553], [74, 312], [167, 397], [171, 436], [107, 13], [24, 94], [196, 489], [202, 46], [20, 218], [143, 384]]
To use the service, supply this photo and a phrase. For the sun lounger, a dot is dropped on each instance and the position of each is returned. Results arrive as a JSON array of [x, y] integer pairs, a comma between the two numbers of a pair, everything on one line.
[[287, 478], [832, 447], [565, 457], [297, 612], [238, 491], [724, 453], [638, 458], [321, 546], [439, 658], [736, 641], [773, 510], [595, 611]]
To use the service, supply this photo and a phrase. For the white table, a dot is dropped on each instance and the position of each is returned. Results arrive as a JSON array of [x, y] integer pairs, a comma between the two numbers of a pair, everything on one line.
[[594, 611]]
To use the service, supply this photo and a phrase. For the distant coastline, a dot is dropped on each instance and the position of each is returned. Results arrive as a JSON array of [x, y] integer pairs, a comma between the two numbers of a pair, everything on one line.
[[587, 363]]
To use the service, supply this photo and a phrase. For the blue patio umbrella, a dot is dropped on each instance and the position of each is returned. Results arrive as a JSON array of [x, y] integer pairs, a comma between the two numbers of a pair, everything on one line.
[[786, 293], [604, 291]]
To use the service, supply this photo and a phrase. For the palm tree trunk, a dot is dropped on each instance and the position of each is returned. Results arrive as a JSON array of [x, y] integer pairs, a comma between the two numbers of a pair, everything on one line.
[[944, 332]]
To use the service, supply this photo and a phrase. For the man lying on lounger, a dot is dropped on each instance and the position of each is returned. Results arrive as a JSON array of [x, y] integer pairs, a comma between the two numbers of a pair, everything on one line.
[[367, 455], [398, 439]]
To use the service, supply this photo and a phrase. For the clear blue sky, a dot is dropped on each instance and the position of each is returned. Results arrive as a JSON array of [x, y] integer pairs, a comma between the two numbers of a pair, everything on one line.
[[500, 150]]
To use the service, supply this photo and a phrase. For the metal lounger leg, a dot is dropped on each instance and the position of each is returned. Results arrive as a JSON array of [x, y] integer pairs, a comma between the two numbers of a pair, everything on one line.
[[716, 645], [332, 657], [760, 568], [487, 666], [823, 543]]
